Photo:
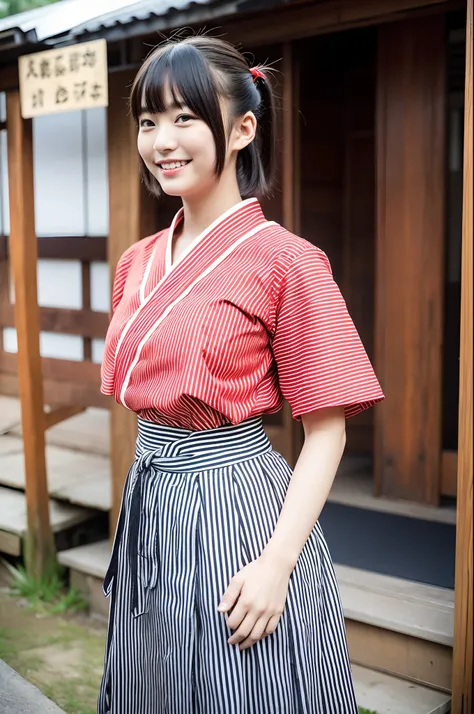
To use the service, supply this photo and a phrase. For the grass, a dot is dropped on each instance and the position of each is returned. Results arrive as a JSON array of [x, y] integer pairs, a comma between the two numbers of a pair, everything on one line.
[[46, 594], [62, 654], [366, 711]]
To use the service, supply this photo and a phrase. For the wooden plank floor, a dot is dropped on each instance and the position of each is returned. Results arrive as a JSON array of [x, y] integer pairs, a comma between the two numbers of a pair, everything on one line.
[[353, 487]]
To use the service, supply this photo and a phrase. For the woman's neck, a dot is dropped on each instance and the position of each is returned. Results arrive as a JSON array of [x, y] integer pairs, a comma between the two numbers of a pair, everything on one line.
[[199, 214]]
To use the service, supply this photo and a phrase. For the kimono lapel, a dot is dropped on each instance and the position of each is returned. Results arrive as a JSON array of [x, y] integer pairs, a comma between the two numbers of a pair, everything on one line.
[[206, 253]]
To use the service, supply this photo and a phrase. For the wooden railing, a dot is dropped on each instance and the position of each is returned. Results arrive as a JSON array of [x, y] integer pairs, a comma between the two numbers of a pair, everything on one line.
[[66, 382]]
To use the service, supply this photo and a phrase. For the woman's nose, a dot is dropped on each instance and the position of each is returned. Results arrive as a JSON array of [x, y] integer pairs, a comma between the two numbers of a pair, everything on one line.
[[164, 140]]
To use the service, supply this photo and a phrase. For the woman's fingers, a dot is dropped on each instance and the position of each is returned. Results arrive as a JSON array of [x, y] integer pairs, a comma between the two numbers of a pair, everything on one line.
[[272, 625], [257, 633], [231, 594], [243, 631]]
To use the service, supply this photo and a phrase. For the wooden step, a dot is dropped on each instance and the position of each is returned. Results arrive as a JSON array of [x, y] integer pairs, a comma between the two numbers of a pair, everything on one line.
[[74, 476], [87, 567], [386, 694], [10, 414], [88, 432], [398, 626], [13, 519]]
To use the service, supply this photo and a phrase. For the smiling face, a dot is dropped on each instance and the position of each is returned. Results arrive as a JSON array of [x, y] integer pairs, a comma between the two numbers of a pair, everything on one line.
[[178, 149]]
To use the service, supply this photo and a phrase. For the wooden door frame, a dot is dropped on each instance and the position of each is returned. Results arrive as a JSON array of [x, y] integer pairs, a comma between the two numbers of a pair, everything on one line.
[[463, 606]]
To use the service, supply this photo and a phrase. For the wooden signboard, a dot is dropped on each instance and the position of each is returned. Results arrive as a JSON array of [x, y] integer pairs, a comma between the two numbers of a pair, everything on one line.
[[64, 79]]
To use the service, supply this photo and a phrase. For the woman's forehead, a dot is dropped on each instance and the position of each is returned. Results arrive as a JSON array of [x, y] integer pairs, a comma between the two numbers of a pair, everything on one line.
[[169, 98]]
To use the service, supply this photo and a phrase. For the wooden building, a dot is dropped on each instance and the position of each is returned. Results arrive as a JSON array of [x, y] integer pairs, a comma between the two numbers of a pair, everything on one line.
[[376, 169]]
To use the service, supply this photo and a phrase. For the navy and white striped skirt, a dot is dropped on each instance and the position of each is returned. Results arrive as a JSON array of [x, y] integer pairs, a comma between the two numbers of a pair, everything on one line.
[[197, 507]]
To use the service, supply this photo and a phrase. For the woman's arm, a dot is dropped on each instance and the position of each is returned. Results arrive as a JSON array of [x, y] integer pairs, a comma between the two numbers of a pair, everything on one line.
[[257, 593], [325, 439]]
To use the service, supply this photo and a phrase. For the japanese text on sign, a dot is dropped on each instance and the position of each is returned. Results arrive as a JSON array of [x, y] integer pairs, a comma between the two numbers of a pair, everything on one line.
[[63, 80]]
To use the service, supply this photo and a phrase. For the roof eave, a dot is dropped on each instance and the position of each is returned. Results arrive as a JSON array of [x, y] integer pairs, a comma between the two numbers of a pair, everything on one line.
[[15, 37], [159, 23]]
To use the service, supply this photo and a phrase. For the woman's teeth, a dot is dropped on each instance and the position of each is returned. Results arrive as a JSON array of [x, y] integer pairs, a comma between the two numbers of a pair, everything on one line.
[[173, 164]]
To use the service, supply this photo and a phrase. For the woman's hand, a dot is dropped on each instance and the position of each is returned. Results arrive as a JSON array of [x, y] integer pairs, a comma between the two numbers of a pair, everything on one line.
[[257, 595]]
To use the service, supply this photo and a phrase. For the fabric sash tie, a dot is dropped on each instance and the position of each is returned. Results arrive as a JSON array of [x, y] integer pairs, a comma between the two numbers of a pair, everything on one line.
[[161, 450]]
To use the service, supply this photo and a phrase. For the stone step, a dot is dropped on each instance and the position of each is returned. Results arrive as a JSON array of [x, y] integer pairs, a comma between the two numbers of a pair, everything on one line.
[[386, 694], [17, 696], [13, 519]]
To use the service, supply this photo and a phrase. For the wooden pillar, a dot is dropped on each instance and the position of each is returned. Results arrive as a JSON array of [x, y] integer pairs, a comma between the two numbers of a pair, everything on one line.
[[40, 551], [131, 217], [410, 248], [463, 606], [291, 189]]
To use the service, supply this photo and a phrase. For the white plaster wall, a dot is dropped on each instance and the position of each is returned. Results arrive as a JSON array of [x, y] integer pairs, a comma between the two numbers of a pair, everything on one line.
[[97, 194], [100, 287], [51, 344], [71, 198], [97, 350], [4, 207]]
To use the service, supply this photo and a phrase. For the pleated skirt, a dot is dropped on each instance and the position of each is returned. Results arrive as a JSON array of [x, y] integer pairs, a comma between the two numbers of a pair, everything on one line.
[[197, 507]]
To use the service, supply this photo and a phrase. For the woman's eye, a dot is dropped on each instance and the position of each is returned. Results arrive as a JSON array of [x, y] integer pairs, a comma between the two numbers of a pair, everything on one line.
[[183, 118], [146, 123]]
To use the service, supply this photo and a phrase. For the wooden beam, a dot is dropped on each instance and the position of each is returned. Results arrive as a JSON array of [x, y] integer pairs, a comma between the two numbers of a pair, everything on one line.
[[132, 216], [88, 249], [463, 606], [410, 258], [296, 22], [56, 416], [86, 323], [86, 305], [59, 393], [61, 369], [9, 78], [40, 550]]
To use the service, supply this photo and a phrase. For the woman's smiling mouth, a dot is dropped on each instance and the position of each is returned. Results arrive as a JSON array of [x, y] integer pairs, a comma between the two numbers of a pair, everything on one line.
[[171, 167]]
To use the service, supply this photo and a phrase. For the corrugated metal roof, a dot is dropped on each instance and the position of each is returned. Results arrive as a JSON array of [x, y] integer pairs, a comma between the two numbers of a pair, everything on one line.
[[68, 21], [60, 17], [139, 11], [148, 16]]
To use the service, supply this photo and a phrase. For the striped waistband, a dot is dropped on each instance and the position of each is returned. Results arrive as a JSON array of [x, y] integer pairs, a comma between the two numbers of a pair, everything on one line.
[[169, 448]]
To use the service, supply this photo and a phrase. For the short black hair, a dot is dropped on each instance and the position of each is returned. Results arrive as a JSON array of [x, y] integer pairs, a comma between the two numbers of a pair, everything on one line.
[[200, 72]]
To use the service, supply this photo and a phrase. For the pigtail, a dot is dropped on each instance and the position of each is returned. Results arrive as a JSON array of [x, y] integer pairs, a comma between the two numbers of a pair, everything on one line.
[[256, 164]]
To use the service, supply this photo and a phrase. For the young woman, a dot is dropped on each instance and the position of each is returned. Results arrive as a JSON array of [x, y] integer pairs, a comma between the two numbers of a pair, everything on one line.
[[223, 594]]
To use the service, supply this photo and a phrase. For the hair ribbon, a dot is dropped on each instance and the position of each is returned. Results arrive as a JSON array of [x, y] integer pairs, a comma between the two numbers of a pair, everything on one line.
[[257, 74]]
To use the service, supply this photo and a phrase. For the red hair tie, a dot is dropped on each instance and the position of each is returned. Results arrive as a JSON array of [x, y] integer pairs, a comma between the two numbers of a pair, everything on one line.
[[257, 74]]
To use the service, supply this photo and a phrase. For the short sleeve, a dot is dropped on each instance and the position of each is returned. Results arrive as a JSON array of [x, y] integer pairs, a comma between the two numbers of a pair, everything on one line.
[[121, 273], [320, 358]]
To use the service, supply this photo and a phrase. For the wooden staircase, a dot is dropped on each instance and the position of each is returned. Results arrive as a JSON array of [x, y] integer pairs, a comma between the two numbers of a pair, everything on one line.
[[399, 633]]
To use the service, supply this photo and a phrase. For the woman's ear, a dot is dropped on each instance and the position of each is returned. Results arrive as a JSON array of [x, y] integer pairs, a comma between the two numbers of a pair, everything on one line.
[[243, 132]]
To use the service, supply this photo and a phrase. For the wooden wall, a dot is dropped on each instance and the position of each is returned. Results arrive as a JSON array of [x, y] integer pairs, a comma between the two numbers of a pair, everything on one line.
[[338, 176], [410, 257]]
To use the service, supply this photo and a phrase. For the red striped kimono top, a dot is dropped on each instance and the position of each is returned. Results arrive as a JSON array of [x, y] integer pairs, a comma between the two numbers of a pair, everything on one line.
[[249, 314]]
